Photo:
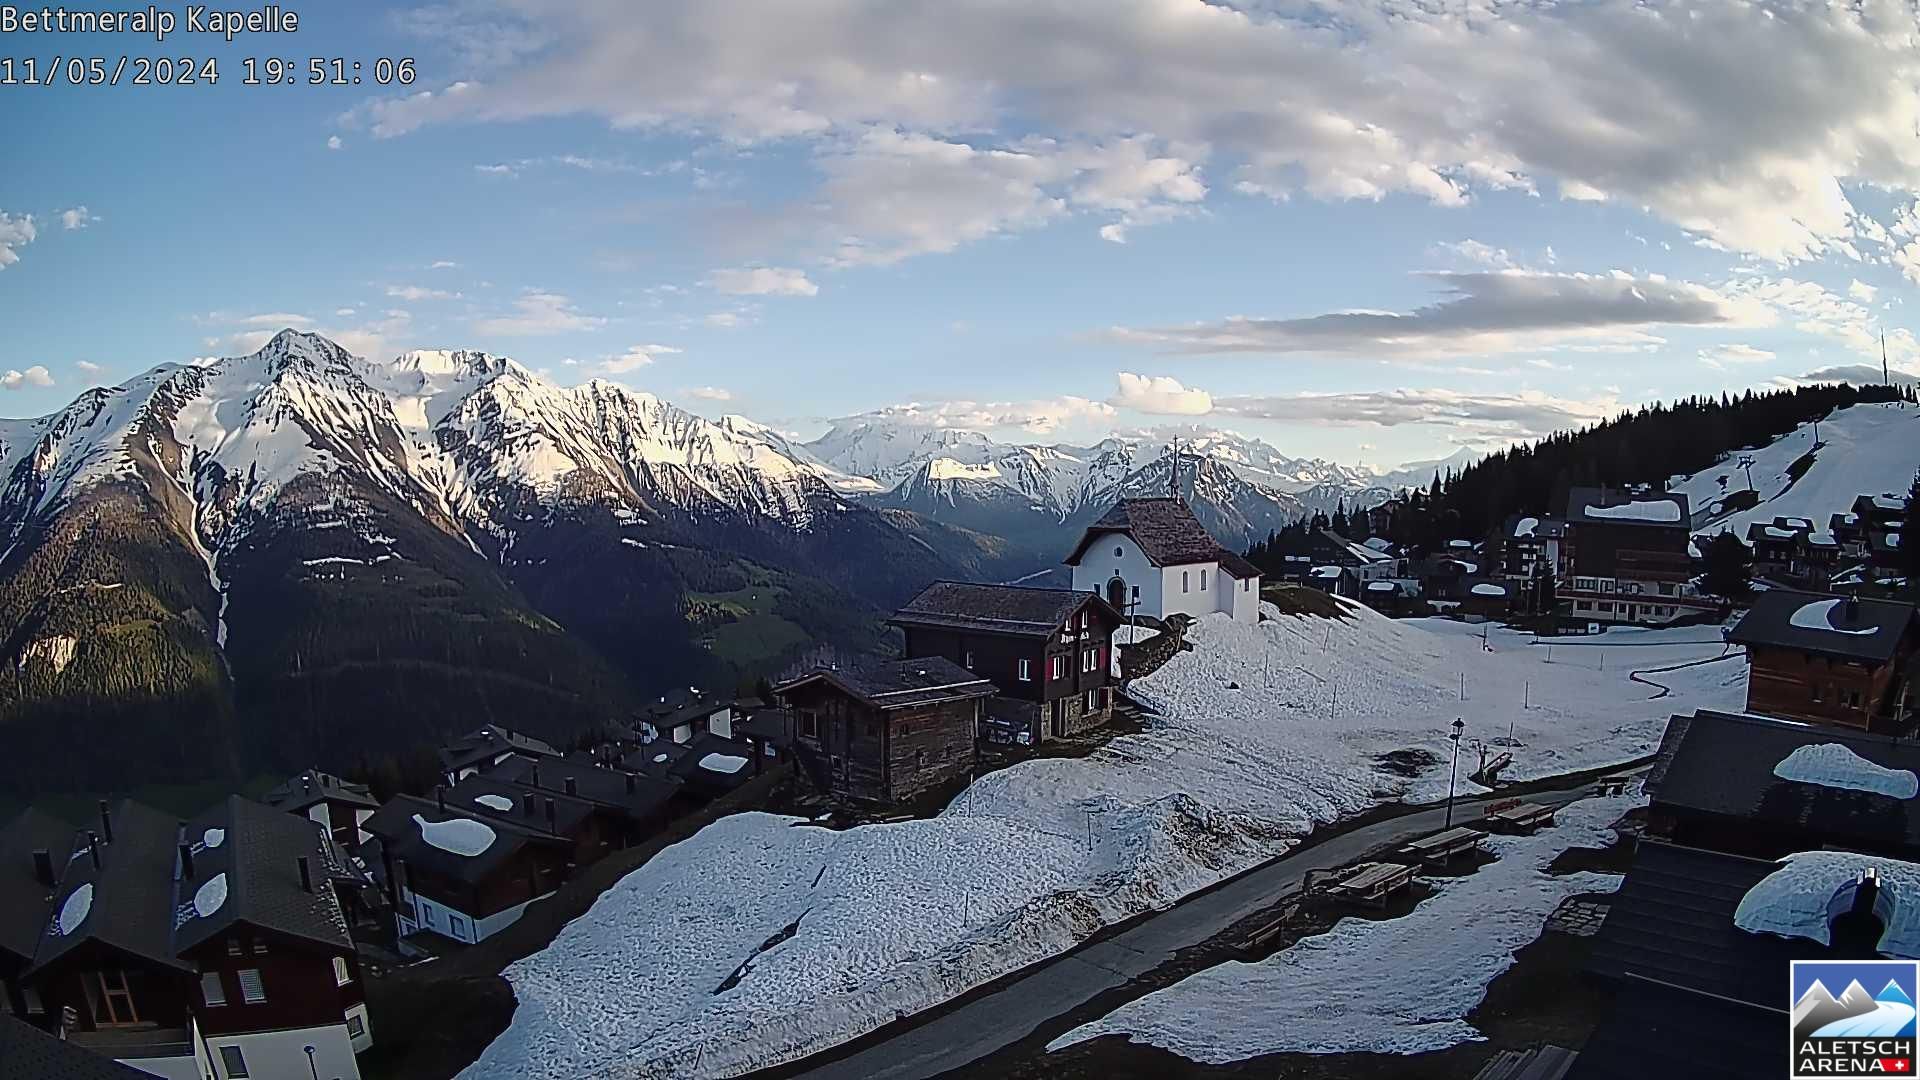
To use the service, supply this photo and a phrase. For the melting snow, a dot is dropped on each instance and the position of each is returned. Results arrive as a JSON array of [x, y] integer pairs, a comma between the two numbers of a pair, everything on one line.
[[209, 896], [1819, 616], [1665, 510], [213, 838], [461, 836], [1484, 589], [1415, 978], [1836, 766], [494, 802], [723, 763], [1802, 898], [945, 468], [74, 912], [1525, 526]]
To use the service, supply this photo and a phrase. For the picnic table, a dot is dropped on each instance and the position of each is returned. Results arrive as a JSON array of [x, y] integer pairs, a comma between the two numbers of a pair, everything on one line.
[[1520, 817], [1372, 883], [1443, 846], [1616, 783]]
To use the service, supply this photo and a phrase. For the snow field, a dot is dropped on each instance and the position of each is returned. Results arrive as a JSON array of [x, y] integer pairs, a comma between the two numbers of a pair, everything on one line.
[[866, 925]]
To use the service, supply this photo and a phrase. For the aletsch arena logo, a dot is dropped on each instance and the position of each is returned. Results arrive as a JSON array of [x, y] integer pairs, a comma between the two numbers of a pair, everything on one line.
[[1853, 1017]]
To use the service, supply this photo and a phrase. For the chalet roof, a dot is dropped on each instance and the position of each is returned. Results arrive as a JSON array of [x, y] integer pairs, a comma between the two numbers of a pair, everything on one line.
[[1165, 529], [654, 759], [314, 786], [127, 901], [27, 1053], [1864, 629], [1672, 921], [23, 899], [489, 742], [1613, 506], [706, 764], [773, 725], [1882, 509], [1534, 527], [998, 609], [1360, 553], [569, 812], [1237, 566], [402, 838], [900, 684], [1657, 1031], [681, 706], [595, 784], [1723, 764], [258, 853]]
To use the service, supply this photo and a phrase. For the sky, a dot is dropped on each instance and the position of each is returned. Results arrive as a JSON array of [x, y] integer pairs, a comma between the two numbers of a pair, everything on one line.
[[1370, 231]]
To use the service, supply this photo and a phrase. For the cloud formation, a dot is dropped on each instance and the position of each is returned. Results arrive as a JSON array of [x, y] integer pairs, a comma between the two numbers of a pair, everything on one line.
[[709, 393], [20, 380], [1480, 418], [15, 233], [635, 358], [78, 217], [1721, 357], [1039, 417], [762, 281], [1162, 396], [538, 312], [1484, 312]]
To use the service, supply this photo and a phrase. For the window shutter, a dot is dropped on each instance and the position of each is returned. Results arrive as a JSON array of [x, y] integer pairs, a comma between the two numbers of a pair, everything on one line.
[[212, 991], [252, 990]]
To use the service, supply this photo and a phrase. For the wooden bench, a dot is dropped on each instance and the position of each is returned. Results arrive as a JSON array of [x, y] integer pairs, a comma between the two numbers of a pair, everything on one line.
[[1372, 883], [1520, 817], [1616, 784], [1441, 847]]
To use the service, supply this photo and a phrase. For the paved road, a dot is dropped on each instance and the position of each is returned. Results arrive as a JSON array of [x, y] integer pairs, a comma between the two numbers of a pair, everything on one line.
[[1052, 988]]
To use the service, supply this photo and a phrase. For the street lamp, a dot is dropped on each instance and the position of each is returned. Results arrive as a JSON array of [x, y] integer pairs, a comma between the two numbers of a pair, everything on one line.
[[1459, 726]]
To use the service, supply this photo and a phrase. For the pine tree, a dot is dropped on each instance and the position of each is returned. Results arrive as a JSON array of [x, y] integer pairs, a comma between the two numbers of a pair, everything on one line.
[[1909, 540], [1729, 566]]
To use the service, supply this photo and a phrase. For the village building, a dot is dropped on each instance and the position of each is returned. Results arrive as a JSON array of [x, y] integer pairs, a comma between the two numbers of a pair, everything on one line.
[[28, 1053], [712, 767], [1049, 652], [628, 807], [340, 806], [1829, 659], [1627, 558], [1530, 546], [1153, 557], [1787, 551], [487, 747], [889, 730], [217, 947], [34, 852], [465, 875], [681, 715]]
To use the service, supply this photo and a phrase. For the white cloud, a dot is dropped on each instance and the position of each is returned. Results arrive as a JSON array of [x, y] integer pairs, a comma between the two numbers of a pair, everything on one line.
[[1477, 418], [538, 312], [78, 217], [15, 233], [762, 281], [1484, 312], [496, 170], [1723, 356], [88, 367], [722, 320], [443, 264], [1162, 396], [709, 393], [1745, 125], [334, 143], [1861, 291], [1474, 251], [33, 376], [635, 358], [343, 313], [416, 293], [1040, 417]]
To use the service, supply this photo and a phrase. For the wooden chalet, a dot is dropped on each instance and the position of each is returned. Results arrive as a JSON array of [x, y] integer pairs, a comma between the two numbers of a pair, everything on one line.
[[34, 851], [340, 806], [465, 875], [28, 1053], [681, 715], [889, 730], [1786, 550], [489, 746], [1153, 557], [628, 807], [1830, 659], [1047, 651], [1627, 559]]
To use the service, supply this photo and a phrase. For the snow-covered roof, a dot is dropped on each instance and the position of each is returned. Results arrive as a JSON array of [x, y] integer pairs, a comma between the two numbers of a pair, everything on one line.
[[1660, 510], [1811, 888], [1525, 526], [723, 763], [1489, 589], [1836, 766], [1858, 628], [1819, 615], [1779, 534], [494, 802], [1324, 572], [1460, 545], [74, 910], [211, 896], [1889, 502], [213, 838], [459, 836], [1377, 543], [1382, 586]]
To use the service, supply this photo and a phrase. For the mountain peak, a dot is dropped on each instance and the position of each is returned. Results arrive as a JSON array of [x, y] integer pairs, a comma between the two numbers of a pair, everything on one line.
[[1893, 992]]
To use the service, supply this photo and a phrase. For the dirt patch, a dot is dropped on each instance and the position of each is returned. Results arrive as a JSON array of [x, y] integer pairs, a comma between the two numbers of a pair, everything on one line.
[[1302, 600], [1408, 763]]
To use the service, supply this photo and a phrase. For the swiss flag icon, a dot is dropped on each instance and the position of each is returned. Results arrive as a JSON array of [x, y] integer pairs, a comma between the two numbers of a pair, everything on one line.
[[1897, 1066]]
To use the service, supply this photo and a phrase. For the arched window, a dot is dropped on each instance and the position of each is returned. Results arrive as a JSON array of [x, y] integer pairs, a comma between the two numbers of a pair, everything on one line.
[[1185, 585], [1203, 580]]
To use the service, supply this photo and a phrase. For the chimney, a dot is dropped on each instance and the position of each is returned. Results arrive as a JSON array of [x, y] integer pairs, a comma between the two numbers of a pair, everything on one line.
[[551, 817], [43, 867], [573, 786], [440, 798], [533, 778], [527, 802], [306, 874], [106, 822], [402, 880], [93, 847], [1853, 607], [630, 784]]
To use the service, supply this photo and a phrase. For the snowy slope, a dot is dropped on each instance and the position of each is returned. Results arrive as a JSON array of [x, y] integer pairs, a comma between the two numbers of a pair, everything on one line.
[[1253, 752], [1866, 450], [1414, 979]]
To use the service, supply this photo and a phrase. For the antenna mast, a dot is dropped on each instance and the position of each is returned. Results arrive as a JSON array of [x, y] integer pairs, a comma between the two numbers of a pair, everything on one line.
[[1173, 471], [1883, 359]]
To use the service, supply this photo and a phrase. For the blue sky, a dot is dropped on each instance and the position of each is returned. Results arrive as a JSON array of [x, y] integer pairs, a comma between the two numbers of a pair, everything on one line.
[[1045, 218]]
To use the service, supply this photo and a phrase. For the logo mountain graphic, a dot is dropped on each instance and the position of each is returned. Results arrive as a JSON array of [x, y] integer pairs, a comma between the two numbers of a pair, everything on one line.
[[1853, 1015], [1818, 1008]]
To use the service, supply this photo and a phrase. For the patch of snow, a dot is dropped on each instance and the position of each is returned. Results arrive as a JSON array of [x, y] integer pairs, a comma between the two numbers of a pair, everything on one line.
[[208, 898], [1381, 586], [74, 911], [1889, 502], [723, 763], [1780, 534], [1485, 589], [1460, 545], [658, 758], [1659, 510], [1819, 616], [945, 468], [1525, 526], [1033, 859], [1324, 572], [1415, 978], [56, 651], [631, 542], [494, 802], [1836, 766], [213, 838], [1802, 898], [1893, 539], [1377, 543], [325, 560], [461, 836]]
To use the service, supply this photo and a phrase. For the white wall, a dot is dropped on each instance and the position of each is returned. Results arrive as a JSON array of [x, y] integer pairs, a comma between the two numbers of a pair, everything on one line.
[[366, 1028], [284, 1053], [442, 921], [1238, 598], [721, 723], [1193, 600], [173, 1068], [1100, 564]]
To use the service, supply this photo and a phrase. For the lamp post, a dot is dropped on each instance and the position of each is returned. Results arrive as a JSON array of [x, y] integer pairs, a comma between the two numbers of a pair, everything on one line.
[[1459, 726]]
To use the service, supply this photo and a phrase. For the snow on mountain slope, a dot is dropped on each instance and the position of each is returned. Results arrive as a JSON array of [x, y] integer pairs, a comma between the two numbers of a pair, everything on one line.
[[1866, 449], [762, 939]]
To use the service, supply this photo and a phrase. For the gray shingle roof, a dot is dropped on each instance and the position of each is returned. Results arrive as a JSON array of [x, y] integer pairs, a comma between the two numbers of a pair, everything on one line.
[[401, 837], [488, 743], [898, 684], [23, 899], [1165, 529], [27, 1053], [592, 783], [313, 786], [1771, 623], [259, 853], [132, 891], [1583, 501], [997, 609]]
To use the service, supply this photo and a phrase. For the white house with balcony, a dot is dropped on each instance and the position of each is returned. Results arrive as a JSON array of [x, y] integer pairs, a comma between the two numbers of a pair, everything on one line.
[[1153, 557]]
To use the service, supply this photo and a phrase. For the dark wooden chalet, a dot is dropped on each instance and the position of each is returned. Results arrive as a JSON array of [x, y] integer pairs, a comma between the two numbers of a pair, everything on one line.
[[1786, 550], [713, 766], [1627, 559], [34, 850], [1830, 659], [28, 1053], [464, 875], [489, 746], [338, 805], [888, 730], [571, 818], [1047, 651], [630, 807]]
